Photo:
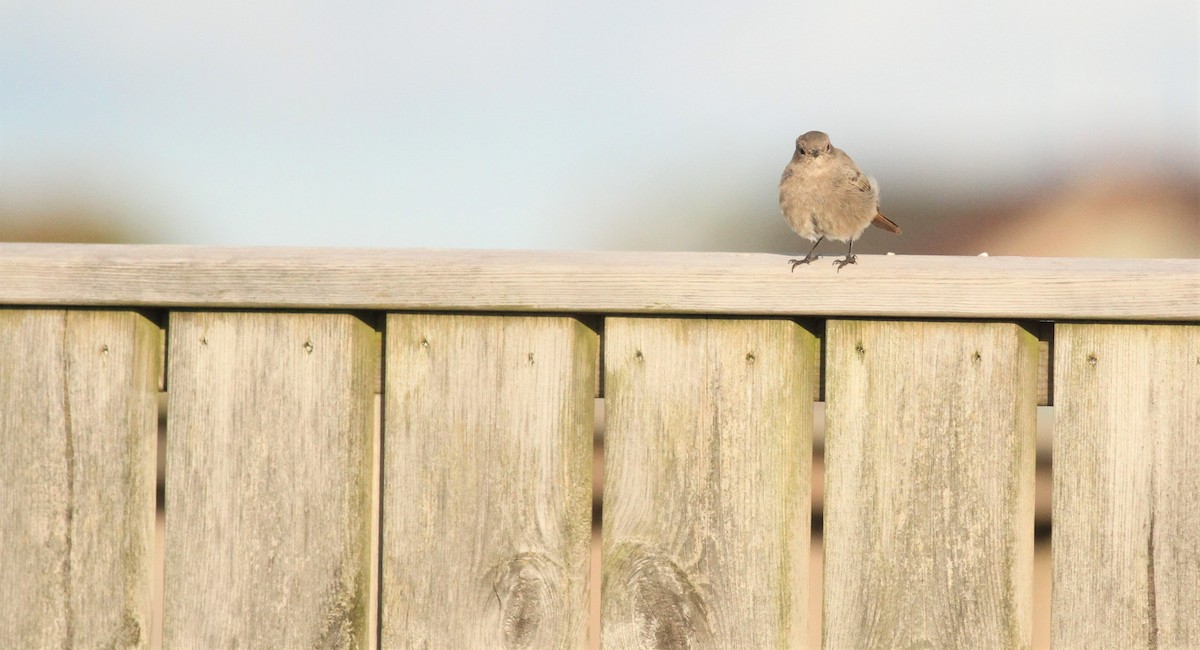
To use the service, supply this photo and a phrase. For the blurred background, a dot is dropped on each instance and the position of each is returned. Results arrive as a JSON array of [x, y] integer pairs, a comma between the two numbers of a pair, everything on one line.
[[1065, 128], [1028, 128]]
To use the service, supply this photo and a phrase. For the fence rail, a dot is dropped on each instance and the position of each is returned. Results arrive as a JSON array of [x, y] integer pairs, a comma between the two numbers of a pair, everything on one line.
[[590, 282], [486, 366]]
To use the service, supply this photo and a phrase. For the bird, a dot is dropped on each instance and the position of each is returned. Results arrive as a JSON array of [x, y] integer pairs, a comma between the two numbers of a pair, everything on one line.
[[822, 193]]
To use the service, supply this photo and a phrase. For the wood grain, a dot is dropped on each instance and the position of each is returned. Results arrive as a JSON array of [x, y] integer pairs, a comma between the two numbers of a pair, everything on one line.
[[706, 503], [929, 460], [1127, 486], [487, 481], [1045, 375], [269, 478], [596, 282], [77, 436]]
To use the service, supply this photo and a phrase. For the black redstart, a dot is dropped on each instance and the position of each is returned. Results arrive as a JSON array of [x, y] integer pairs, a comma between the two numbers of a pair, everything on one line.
[[824, 194]]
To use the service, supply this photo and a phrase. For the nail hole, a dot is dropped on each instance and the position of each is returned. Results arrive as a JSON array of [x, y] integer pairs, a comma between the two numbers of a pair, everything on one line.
[[1091, 359]]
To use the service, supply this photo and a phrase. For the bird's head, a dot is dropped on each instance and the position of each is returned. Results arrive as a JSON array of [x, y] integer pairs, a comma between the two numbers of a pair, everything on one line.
[[813, 144]]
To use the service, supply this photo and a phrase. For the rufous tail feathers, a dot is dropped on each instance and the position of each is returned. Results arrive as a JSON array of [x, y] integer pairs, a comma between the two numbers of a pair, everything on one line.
[[883, 222]]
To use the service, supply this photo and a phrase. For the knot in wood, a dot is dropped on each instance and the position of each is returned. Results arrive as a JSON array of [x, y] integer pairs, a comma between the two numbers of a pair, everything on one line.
[[668, 610], [528, 590]]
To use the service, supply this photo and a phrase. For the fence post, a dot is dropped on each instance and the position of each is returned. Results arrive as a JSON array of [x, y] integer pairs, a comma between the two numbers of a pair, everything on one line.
[[77, 428], [708, 453], [269, 437], [487, 453], [929, 459], [1127, 486]]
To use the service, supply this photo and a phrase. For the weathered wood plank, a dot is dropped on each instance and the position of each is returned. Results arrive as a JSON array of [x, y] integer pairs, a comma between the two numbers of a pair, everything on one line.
[[269, 478], [487, 481], [1127, 486], [582, 282], [1044, 374], [77, 436], [708, 452], [929, 460]]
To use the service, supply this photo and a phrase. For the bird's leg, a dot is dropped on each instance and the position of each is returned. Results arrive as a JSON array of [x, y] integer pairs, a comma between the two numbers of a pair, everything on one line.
[[850, 258], [810, 257]]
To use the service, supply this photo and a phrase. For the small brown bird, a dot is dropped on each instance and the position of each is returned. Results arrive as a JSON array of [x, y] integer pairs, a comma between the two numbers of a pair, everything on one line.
[[824, 194]]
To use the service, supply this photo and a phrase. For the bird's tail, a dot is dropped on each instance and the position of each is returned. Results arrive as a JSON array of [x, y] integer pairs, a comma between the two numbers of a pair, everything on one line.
[[883, 222]]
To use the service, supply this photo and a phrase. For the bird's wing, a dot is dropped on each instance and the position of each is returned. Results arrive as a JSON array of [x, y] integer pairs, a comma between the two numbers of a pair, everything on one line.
[[859, 182]]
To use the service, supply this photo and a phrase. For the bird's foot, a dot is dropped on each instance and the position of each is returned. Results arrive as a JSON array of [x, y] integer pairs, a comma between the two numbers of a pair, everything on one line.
[[849, 259], [807, 259]]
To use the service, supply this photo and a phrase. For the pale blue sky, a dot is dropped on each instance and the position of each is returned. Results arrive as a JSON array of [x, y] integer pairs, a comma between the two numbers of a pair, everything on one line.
[[539, 124]]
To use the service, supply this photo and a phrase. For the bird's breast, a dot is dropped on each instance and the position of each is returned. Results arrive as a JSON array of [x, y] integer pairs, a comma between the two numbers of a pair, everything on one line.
[[817, 201]]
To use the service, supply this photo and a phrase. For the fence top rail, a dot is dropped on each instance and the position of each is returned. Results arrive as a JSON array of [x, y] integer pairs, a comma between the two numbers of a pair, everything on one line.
[[144, 276]]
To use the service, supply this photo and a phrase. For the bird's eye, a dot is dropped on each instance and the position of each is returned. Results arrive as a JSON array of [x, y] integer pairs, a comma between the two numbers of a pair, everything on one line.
[[829, 147], [801, 150]]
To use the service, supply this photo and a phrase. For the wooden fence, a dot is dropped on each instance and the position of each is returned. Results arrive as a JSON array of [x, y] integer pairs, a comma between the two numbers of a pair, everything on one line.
[[488, 363]]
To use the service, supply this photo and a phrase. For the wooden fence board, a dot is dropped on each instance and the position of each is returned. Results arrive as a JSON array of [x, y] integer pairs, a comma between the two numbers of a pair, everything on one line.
[[573, 282], [77, 436], [269, 478], [1127, 486], [487, 481], [929, 460], [708, 453]]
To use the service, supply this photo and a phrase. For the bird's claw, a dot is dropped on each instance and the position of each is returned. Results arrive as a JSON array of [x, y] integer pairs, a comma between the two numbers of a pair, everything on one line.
[[849, 259], [807, 259]]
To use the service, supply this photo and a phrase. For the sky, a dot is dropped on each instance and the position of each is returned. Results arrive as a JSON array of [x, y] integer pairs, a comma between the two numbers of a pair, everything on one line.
[[549, 125]]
